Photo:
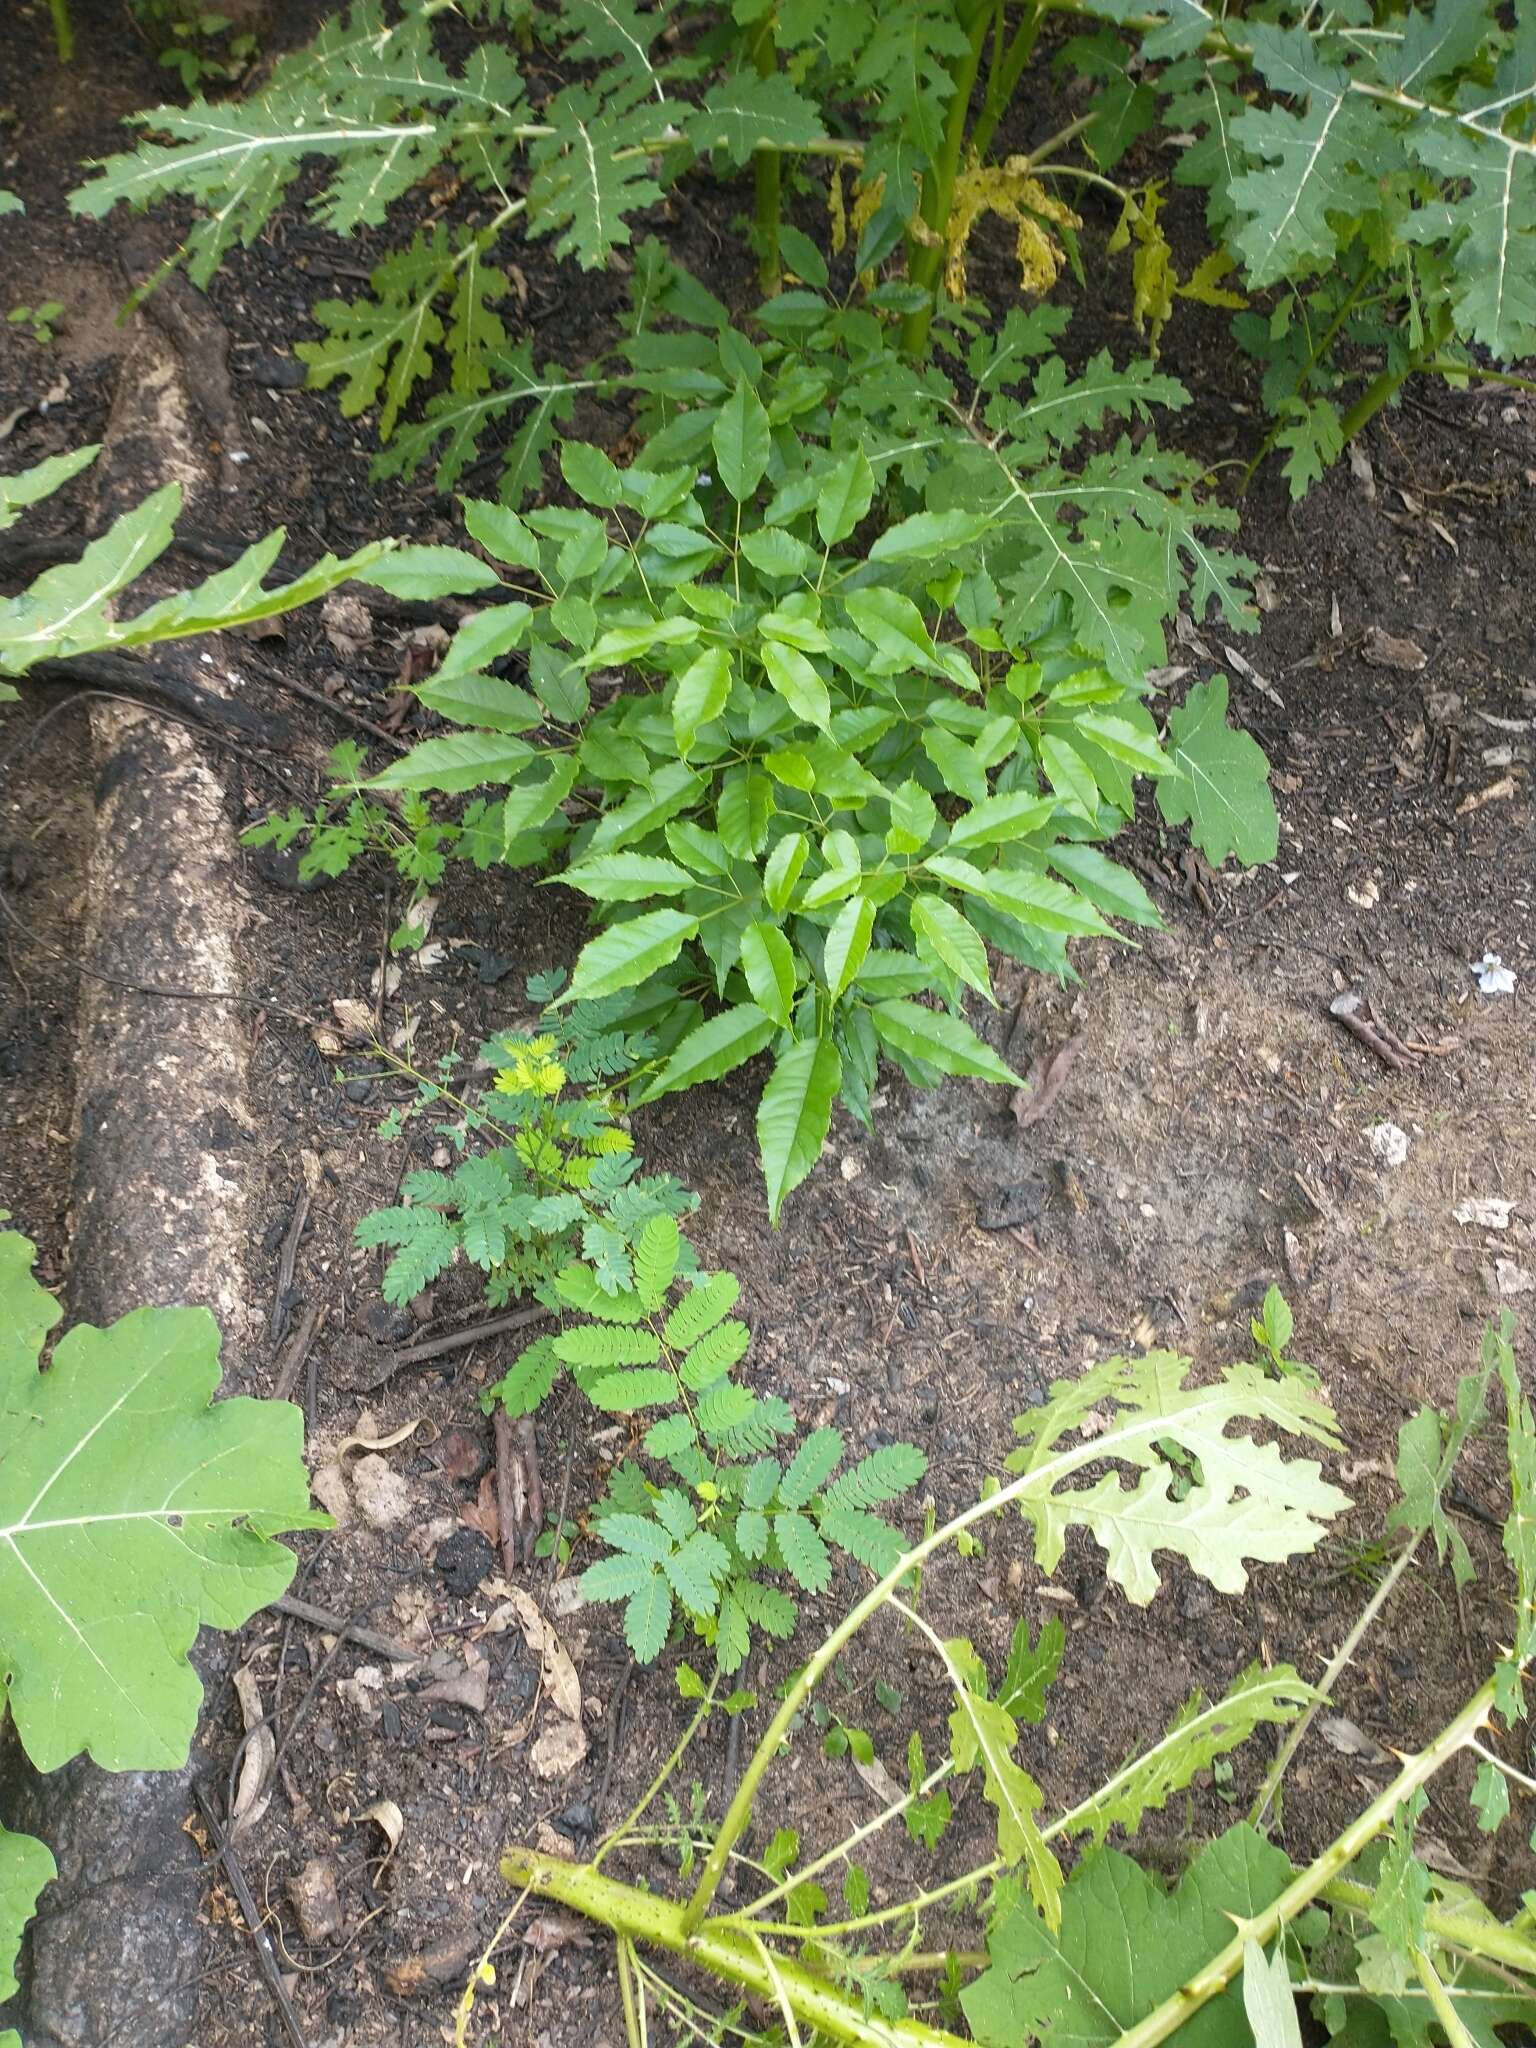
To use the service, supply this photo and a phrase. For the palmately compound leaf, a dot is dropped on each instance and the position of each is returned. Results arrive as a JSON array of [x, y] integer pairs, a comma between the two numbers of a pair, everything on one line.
[[25, 1867], [1198, 1734], [1249, 1500], [133, 1507], [1222, 788], [1124, 1945]]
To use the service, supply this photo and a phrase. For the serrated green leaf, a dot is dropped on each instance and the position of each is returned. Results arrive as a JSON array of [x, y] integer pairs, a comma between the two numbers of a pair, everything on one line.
[[457, 762], [848, 939], [528, 1380], [615, 1577], [701, 693], [501, 533], [794, 1115], [741, 440], [1249, 1501], [626, 1393], [886, 1474], [1268, 2000], [627, 877], [797, 682], [938, 1040], [695, 1570], [999, 818], [1222, 788], [715, 1354], [426, 572], [628, 953], [747, 112], [715, 1047], [844, 498], [133, 1508], [768, 962], [1108, 886], [946, 939]]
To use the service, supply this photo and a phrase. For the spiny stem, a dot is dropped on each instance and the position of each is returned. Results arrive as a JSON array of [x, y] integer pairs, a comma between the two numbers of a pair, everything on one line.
[[1330, 1678], [923, 258], [1217, 1974], [767, 174]]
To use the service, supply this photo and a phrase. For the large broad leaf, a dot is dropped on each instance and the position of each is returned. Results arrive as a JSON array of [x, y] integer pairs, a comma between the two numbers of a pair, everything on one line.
[[1124, 1945], [1222, 788], [25, 1867], [133, 1508]]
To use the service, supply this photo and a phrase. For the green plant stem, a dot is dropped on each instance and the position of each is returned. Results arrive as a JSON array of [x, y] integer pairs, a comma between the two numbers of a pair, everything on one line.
[[1314, 357], [1130, 1428], [767, 173], [63, 30], [637, 1916], [1384, 388], [1438, 368], [1004, 81], [1434, 1990], [1339, 1662], [616, 1835], [1312, 1882], [924, 258], [1488, 1940]]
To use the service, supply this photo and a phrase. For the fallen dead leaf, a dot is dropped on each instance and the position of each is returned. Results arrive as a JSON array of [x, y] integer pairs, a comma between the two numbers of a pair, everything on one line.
[[346, 622], [253, 1795], [879, 1780], [551, 1931], [1047, 1077], [560, 1748], [1393, 650], [558, 1672], [1483, 1212], [469, 1688], [355, 1018], [484, 1514], [1513, 1279], [388, 1818], [1494, 793], [379, 1443], [460, 1454], [433, 1967], [1344, 1735]]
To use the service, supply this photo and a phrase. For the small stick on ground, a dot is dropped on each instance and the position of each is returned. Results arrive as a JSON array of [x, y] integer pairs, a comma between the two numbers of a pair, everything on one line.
[[294, 1357], [565, 1495], [286, 1264], [248, 1906], [435, 1347], [615, 1738], [366, 1638], [1354, 1013], [519, 1493]]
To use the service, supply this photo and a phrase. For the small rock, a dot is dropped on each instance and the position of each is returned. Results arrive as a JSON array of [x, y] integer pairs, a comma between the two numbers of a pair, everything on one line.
[[1195, 1601], [382, 1496], [463, 1560], [1389, 1142], [927, 1404], [358, 1090], [577, 1820], [276, 373], [281, 869], [316, 1905], [384, 1323]]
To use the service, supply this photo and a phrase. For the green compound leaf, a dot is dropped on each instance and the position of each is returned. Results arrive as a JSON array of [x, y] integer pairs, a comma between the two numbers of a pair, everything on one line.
[[1124, 1945], [25, 1867], [133, 1508], [1222, 788]]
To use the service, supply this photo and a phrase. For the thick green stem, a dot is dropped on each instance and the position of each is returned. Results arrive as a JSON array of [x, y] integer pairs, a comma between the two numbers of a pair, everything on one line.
[[637, 1916], [63, 31], [1383, 389], [1489, 1939], [925, 257], [767, 173], [1004, 81], [1217, 1974]]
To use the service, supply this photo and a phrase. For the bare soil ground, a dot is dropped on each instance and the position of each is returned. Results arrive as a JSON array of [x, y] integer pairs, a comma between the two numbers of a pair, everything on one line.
[[1213, 1136]]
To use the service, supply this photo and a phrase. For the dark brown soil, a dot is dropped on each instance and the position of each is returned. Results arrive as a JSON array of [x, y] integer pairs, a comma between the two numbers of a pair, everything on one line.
[[927, 1283]]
